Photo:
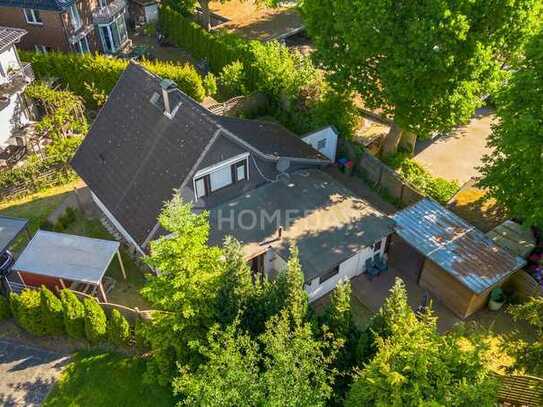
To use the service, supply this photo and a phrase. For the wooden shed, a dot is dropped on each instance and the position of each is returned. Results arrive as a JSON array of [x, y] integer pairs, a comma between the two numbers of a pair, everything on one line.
[[461, 264]]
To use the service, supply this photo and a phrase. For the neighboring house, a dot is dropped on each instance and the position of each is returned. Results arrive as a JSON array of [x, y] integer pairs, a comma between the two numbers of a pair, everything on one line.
[[68, 25], [151, 139], [14, 77]]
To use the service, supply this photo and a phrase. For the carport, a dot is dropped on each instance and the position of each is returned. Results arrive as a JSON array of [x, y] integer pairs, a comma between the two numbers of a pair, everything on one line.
[[10, 230], [59, 260]]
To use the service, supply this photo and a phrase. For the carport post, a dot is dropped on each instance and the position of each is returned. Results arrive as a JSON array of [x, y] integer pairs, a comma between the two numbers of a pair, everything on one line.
[[121, 263], [21, 278], [101, 287]]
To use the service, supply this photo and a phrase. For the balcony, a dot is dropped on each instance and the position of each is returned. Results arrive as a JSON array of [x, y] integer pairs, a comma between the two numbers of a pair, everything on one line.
[[16, 80], [107, 14]]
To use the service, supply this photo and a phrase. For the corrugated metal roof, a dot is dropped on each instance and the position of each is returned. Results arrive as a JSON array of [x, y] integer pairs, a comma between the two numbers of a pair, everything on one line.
[[454, 245], [54, 5]]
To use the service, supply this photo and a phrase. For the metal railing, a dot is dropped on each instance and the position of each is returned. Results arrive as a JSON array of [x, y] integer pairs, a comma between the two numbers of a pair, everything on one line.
[[24, 72], [105, 14]]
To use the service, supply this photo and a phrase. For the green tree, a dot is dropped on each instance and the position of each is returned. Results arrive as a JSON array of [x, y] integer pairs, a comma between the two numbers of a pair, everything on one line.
[[74, 314], [528, 354], [296, 301], [52, 312], [414, 365], [512, 173], [426, 64], [95, 321], [185, 290], [118, 329], [236, 286], [285, 366]]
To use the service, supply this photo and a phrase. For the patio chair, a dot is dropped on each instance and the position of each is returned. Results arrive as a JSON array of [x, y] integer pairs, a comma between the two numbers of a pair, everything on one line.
[[381, 264], [371, 270]]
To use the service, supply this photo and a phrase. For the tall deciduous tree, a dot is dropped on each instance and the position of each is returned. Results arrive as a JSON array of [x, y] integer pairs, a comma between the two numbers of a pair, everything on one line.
[[427, 64], [184, 291], [414, 365], [512, 173]]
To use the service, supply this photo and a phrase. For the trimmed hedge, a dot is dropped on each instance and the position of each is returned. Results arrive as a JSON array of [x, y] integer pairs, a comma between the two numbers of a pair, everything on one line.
[[74, 314], [5, 310], [95, 321], [52, 313], [26, 308], [118, 329], [93, 76]]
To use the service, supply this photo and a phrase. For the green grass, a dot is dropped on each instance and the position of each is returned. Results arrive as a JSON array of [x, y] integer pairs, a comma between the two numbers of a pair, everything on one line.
[[108, 380], [125, 292], [36, 207]]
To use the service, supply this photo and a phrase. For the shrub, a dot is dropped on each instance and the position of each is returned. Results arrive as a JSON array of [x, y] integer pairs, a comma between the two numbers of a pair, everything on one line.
[[52, 313], [440, 189], [26, 308], [118, 329], [232, 80], [74, 314], [95, 321], [210, 84], [93, 76], [5, 310]]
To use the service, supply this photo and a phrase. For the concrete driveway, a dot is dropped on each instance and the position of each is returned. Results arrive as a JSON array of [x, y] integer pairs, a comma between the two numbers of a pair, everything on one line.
[[457, 155], [27, 374]]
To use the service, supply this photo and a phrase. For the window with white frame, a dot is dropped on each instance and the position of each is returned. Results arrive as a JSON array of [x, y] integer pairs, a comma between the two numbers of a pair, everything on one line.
[[83, 45], [32, 16], [75, 17], [113, 35], [103, 3], [218, 177]]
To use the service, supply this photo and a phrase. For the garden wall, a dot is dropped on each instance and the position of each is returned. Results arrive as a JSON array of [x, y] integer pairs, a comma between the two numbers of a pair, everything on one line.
[[386, 179]]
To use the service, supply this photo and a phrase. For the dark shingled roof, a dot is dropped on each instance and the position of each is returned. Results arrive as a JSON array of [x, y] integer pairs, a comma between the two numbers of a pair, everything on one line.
[[51, 5], [134, 157], [270, 138], [10, 36]]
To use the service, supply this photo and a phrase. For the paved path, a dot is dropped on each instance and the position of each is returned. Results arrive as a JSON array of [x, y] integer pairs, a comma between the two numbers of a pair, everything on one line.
[[457, 155], [27, 374]]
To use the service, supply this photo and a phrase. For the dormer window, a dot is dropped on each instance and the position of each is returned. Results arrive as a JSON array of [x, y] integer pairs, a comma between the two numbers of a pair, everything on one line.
[[221, 176]]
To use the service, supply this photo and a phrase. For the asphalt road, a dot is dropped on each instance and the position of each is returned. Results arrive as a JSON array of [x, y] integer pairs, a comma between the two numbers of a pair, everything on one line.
[[27, 374]]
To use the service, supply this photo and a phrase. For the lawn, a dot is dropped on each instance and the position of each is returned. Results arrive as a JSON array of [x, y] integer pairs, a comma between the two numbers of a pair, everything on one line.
[[106, 379], [125, 292], [36, 207]]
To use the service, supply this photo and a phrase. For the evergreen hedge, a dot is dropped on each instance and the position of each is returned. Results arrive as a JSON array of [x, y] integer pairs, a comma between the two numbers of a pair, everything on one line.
[[95, 321], [52, 313], [74, 314], [93, 76], [5, 310], [118, 329], [26, 308]]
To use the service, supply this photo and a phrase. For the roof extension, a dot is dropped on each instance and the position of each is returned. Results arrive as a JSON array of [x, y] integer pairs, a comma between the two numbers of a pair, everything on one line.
[[325, 220], [10, 228], [50, 5], [132, 145], [9, 36], [70, 257], [454, 245]]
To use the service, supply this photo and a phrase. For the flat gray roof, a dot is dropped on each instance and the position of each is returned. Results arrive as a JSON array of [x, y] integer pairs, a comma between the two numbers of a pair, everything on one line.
[[65, 256], [328, 223], [10, 228], [454, 245]]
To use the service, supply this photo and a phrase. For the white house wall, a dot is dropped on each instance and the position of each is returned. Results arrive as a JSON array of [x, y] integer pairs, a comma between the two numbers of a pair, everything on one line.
[[350, 268], [12, 116], [330, 136], [8, 59]]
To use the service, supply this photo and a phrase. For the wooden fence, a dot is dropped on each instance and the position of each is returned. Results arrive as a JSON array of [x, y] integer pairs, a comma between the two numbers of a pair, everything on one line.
[[520, 391], [386, 179], [50, 177]]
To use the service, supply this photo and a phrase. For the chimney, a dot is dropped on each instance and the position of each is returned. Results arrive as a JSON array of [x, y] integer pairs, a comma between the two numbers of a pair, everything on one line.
[[167, 86], [279, 232]]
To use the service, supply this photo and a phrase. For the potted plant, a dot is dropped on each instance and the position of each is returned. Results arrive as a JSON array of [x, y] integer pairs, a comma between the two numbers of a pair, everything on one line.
[[496, 300]]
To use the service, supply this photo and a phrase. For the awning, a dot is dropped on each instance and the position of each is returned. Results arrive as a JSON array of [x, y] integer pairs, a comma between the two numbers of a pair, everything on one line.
[[68, 257], [10, 229]]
